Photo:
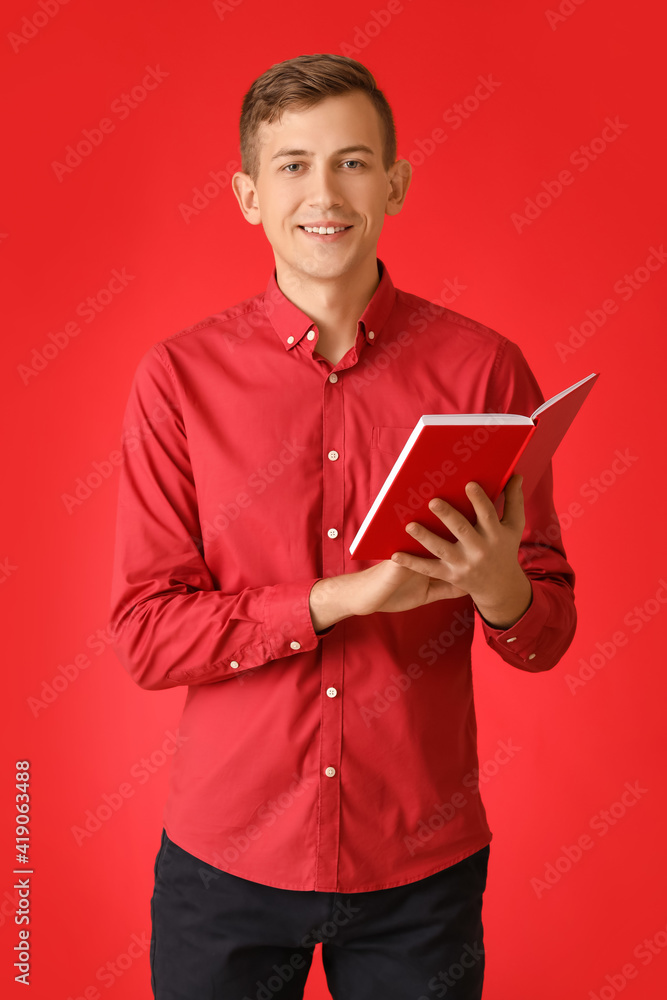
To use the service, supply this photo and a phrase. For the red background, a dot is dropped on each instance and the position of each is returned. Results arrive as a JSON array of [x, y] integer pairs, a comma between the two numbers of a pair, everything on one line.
[[121, 207]]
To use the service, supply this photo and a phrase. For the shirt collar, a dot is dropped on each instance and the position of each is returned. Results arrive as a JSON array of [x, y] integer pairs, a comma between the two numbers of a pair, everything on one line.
[[292, 324]]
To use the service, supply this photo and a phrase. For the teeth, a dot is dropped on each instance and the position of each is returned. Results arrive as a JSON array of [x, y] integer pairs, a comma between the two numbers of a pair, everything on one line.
[[323, 231]]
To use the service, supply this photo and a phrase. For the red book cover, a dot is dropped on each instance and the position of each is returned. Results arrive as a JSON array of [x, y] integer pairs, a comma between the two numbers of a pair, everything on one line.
[[447, 450]]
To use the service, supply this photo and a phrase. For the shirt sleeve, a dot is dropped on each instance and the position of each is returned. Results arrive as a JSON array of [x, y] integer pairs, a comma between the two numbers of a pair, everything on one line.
[[171, 624], [542, 635]]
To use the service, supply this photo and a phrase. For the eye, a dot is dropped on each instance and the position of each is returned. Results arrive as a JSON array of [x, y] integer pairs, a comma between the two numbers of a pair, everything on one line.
[[286, 169]]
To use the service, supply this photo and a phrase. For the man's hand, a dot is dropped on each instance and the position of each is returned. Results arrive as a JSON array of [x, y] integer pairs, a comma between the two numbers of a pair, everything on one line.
[[482, 562], [383, 587]]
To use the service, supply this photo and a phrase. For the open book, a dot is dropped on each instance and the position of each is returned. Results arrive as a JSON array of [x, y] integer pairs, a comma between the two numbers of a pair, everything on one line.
[[447, 450]]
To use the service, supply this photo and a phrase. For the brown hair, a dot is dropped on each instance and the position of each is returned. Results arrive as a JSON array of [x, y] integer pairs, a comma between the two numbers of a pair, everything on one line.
[[301, 83]]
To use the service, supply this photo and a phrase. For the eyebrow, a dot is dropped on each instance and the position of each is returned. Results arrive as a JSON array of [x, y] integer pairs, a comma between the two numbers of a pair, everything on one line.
[[338, 152]]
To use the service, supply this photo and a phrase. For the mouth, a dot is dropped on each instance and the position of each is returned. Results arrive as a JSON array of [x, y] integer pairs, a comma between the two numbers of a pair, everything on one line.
[[325, 237]]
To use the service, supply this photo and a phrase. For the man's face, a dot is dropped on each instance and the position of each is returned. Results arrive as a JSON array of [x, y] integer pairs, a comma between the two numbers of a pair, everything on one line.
[[324, 165]]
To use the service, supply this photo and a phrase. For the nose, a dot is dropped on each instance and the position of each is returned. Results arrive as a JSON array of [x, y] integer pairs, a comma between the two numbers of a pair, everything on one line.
[[323, 190]]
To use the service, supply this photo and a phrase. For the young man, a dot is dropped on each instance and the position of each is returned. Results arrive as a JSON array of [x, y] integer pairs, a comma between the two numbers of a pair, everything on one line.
[[326, 787]]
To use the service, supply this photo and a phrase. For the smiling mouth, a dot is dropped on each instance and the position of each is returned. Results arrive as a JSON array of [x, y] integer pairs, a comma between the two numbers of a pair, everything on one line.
[[321, 231]]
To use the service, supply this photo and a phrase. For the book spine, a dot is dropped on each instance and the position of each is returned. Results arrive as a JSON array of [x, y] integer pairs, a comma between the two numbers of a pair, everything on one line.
[[518, 455]]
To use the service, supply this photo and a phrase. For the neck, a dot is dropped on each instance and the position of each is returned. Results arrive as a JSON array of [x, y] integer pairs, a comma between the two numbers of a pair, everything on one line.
[[333, 304]]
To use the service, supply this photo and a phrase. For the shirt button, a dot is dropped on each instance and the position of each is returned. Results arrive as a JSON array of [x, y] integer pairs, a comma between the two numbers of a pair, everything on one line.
[[333, 455], [370, 334], [290, 340], [331, 692], [295, 645], [234, 664], [332, 533], [512, 639], [333, 377], [330, 771], [311, 335], [532, 656]]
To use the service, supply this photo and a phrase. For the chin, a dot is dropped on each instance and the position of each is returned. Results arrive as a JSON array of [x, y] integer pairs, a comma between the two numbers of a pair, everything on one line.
[[324, 268]]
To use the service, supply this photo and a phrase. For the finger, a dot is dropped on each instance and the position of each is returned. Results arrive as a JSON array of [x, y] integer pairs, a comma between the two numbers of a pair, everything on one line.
[[419, 564], [514, 514], [458, 524], [445, 552], [440, 547], [487, 515]]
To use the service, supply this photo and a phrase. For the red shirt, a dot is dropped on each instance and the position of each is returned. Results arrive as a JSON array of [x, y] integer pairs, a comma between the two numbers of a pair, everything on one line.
[[342, 761]]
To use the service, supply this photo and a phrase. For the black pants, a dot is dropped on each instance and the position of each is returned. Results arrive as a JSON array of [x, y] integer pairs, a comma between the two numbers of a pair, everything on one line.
[[220, 937]]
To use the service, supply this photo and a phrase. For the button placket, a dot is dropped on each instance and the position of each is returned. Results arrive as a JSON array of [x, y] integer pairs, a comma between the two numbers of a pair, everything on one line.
[[333, 564]]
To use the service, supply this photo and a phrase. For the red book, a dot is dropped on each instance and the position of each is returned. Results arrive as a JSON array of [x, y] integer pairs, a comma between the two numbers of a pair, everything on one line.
[[447, 450]]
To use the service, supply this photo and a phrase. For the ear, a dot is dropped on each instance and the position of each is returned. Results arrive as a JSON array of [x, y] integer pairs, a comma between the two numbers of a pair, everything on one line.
[[399, 176], [246, 195]]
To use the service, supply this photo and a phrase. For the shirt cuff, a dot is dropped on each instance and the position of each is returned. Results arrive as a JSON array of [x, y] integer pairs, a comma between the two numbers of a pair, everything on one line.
[[288, 620], [519, 644]]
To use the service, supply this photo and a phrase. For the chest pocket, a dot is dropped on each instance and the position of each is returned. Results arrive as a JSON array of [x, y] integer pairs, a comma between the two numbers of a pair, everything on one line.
[[386, 445]]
